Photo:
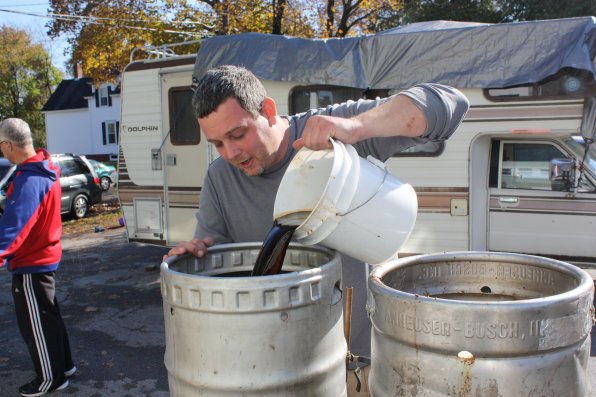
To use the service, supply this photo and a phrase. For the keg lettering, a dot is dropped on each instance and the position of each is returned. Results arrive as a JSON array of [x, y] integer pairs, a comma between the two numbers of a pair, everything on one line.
[[413, 323], [537, 328], [425, 272], [467, 269], [491, 330], [528, 273]]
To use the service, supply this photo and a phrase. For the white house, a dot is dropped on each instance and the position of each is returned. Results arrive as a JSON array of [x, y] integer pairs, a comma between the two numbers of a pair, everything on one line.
[[83, 119]]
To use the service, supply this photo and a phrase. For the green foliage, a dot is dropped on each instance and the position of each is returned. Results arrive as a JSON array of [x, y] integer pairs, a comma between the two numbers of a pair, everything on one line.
[[450, 10], [490, 11], [530, 10], [27, 79]]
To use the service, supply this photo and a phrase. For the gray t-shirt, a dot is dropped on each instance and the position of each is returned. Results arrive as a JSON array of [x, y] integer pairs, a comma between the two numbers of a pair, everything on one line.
[[237, 208]]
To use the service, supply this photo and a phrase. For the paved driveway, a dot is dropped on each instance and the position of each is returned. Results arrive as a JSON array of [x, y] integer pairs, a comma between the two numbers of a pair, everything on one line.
[[112, 308], [110, 298]]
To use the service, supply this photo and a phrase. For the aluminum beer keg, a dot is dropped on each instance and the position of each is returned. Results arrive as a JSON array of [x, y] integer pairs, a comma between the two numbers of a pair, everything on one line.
[[480, 324], [229, 334]]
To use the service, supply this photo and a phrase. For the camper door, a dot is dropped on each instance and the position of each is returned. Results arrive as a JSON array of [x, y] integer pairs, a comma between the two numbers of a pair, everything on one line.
[[184, 156], [530, 214]]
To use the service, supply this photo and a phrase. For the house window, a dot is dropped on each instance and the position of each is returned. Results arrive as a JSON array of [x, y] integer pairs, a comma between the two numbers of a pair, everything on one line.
[[103, 96], [110, 132]]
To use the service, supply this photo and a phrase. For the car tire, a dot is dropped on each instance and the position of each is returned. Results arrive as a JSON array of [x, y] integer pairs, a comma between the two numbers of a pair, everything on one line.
[[105, 183], [80, 206]]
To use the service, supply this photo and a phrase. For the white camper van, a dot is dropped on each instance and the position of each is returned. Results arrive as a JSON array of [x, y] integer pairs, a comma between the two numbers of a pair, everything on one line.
[[519, 175]]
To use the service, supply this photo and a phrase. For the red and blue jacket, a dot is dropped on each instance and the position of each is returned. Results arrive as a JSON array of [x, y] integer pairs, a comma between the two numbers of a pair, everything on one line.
[[31, 226]]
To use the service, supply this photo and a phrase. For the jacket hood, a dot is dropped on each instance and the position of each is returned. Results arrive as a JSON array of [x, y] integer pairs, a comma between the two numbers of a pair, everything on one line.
[[41, 163]]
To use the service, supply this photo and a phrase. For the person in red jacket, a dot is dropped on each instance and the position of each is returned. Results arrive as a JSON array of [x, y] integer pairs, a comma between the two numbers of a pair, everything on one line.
[[30, 231]]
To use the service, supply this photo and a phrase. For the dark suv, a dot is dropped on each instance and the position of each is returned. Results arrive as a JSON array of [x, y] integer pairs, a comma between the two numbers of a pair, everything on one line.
[[80, 185]]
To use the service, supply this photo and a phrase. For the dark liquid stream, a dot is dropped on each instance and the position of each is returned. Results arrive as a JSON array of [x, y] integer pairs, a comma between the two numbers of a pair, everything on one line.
[[273, 251]]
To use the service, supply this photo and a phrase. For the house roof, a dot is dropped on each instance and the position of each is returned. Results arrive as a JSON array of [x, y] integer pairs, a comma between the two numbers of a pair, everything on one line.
[[70, 94]]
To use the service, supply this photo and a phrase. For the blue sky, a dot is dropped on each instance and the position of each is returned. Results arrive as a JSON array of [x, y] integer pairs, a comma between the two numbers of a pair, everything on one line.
[[35, 25]]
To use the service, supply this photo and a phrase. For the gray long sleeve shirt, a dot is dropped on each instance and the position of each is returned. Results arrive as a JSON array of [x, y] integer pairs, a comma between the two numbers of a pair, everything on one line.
[[234, 207]]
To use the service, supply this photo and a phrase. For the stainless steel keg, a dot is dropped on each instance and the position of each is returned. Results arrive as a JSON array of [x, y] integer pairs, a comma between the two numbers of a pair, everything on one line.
[[480, 324], [228, 334]]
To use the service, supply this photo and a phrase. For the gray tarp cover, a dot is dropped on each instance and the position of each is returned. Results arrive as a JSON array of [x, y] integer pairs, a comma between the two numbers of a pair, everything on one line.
[[463, 55]]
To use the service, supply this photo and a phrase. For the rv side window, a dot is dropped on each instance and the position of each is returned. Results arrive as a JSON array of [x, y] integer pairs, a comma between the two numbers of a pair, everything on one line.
[[567, 83], [184, 128], [305, 98]]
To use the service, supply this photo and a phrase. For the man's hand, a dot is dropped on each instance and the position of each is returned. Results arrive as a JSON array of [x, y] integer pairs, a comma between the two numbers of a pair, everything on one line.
[[196, 246], [320, 128]]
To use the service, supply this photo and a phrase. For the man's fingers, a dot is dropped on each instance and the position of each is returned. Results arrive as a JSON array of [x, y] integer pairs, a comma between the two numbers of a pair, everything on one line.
[[196, 247]]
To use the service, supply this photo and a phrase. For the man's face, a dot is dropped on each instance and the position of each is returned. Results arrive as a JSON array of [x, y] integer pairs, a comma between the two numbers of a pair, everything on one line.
[[245, 142]]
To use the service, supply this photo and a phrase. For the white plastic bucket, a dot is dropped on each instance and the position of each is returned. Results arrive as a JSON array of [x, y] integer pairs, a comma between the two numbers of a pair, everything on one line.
[[345, 202]]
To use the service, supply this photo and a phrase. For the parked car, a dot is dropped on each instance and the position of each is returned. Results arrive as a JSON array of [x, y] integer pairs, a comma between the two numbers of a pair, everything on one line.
[[6, 170], [105, 172], [79, 181]]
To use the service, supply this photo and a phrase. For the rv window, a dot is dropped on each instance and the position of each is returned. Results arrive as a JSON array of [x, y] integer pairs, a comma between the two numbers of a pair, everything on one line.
[[305, 98], [184, 128], [567, 83]]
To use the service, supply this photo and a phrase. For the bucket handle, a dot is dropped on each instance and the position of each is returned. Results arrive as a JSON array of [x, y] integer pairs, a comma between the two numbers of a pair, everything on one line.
[[382, 166]]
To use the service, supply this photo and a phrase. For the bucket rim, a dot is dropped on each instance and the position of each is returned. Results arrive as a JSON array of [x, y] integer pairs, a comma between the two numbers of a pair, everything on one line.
[[585, 281]]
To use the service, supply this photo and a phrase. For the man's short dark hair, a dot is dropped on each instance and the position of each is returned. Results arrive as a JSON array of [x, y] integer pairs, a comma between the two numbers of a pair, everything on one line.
[[228, 81]]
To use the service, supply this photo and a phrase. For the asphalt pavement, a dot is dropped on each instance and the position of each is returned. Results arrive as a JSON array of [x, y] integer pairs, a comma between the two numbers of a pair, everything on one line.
[[109, 292], [109, 295]]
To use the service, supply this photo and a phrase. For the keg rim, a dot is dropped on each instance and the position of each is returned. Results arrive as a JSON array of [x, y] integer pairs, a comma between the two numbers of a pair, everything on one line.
[[219, 248], [585, 281]]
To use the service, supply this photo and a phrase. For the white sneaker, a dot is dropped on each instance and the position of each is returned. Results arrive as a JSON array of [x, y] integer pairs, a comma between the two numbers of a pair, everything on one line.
[[70, 372]]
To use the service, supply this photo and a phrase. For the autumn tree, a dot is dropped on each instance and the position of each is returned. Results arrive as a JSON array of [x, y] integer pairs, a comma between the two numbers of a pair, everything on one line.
[[27, 79], [102, 35], [341, 18]]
